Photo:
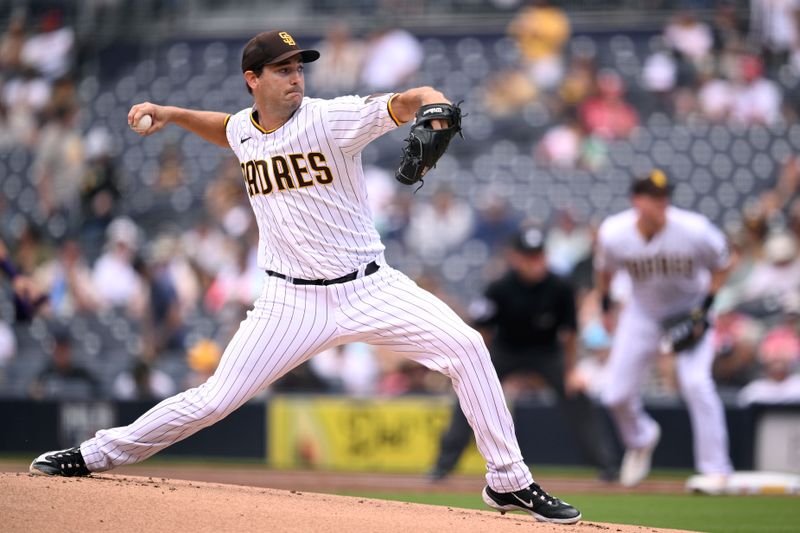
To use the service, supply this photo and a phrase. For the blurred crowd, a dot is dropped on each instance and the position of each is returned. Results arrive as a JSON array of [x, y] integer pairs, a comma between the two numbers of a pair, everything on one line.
[[181, 287]]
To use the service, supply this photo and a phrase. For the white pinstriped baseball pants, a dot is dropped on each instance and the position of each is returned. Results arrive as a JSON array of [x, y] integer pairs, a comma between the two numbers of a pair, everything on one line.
[[634, 350], [290, 323]]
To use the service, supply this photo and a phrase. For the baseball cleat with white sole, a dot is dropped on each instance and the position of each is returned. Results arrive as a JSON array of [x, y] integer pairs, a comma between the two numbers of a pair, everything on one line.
[[535, 501], [637, 461], [67, 463]]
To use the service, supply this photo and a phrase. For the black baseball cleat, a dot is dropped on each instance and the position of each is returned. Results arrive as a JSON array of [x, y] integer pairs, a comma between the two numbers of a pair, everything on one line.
[[533, 500], [67, 463]]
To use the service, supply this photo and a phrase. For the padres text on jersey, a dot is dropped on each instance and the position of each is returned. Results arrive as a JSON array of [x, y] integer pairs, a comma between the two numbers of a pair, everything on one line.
[[306, 185], [278, 174]]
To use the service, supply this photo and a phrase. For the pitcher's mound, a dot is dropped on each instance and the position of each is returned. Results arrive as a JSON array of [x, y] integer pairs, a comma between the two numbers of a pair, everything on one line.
[[103, 503]]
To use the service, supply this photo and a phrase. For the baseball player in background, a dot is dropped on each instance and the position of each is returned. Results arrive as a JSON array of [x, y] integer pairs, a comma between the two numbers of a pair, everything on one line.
[[326, 282], [676, 260]]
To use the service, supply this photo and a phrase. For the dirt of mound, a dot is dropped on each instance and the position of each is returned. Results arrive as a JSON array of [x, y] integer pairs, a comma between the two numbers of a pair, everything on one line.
[[254, 475], [134, 504]]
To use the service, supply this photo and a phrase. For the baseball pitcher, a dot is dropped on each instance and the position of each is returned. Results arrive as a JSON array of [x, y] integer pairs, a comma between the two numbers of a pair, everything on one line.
[[326, 281]]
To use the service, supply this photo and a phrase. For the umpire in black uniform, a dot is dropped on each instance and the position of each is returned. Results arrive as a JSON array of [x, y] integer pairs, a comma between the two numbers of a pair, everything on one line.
[[529, 321]]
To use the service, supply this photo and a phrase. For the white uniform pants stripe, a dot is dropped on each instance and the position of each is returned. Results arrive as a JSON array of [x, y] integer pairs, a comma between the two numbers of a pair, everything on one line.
[[631, 357], [417, 325], [291, 323], [285, 327]]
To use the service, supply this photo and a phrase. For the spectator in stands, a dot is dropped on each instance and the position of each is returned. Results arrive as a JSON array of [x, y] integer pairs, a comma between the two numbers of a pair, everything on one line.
[[101, 186], [142, 382], [208, 250], [772, 206], [338, 69], [778, 273], [736, 336], [452, 218], [715, 96], [607, 114], [745, 246], [579, 82], [60, 165], [62, 378], [568, 242], [774, 27], [170, 169], [26, 294], [50, 51], [757, 99], [225, 202], [692, 42], [392, 58], [506, 92], [30, 250], [163, 323], [25, 97], [68, 281], [728, 27], [755, 228], [115, 280], [778, 354], [179, 269], [660, 73], [11, 43], [494, 222], [561, 146], [541, 30], [567, 146], [63, 94]]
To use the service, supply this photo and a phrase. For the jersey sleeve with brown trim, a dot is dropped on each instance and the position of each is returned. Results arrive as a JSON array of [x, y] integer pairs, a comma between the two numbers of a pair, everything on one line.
[[355, 121]]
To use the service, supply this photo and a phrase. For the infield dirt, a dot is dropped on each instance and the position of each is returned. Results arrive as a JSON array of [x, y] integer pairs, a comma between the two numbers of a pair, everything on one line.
[[122, 503]]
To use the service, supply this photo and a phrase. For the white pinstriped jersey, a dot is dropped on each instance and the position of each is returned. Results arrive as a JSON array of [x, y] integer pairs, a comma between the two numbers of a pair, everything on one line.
[[669, 273], [307, 190], [306, 184]]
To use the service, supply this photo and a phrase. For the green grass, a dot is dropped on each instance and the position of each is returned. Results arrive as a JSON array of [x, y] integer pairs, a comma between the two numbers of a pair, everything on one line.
[[724, 514]]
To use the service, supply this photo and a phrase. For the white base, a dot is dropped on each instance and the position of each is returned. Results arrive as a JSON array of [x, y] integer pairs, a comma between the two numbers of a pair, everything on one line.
[[745, 483]]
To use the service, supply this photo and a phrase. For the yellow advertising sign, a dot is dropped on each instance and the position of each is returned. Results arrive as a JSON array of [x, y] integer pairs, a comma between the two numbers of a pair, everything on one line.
[[378, 435]]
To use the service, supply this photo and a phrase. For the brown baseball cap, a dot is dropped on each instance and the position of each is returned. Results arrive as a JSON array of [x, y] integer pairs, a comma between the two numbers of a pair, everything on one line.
[[270, 47], [653, 184]]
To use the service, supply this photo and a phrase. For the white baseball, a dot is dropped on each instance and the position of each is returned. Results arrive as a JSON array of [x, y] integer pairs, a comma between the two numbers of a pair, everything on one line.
[[143, 124]]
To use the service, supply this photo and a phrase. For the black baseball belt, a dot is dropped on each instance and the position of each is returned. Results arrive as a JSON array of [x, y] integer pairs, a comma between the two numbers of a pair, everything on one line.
[[370, 269]]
